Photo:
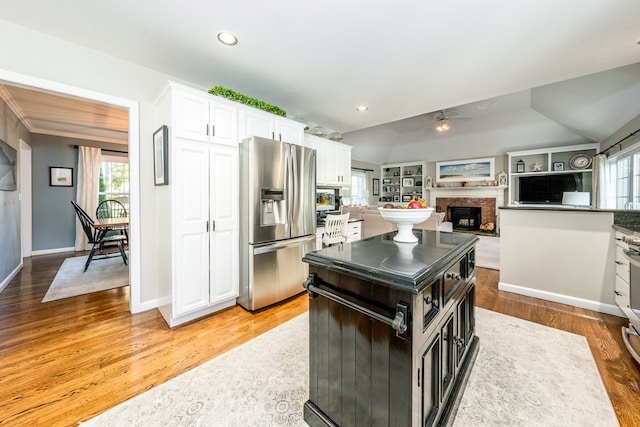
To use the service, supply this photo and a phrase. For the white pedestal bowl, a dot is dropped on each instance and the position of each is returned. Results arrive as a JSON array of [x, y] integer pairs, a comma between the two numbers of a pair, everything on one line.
[[404, 219]]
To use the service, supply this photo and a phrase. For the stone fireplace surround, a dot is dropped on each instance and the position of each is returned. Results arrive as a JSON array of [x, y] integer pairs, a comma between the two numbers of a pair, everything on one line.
[[489, 199]]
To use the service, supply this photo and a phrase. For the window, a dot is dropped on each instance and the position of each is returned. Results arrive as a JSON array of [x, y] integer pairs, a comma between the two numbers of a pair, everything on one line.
[[114, 179], [358, 188], [623, 179]]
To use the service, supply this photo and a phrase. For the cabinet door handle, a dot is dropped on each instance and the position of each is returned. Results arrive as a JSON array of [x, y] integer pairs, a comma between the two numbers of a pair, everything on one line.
[[207, 129], [207, 226], [213, 226], [213, 130], [619, 262], [617, 293]]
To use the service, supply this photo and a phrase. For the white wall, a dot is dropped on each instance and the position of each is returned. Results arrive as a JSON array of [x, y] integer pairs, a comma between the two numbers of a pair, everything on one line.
[[565, 256], [41, 56]]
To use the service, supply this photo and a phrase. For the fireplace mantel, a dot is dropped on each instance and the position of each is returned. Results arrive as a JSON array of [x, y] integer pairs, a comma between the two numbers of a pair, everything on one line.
[[477, 192]]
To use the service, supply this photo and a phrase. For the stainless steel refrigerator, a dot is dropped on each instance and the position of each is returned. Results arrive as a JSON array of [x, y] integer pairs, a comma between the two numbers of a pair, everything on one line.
[[277, 219]]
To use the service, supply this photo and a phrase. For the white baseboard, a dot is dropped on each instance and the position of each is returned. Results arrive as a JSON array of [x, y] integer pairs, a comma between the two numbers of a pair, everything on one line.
[[563, 299], [11, 275], [52, 251]]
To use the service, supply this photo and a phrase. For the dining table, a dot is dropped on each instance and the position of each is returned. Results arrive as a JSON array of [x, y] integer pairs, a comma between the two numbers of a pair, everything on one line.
[[104, 225]]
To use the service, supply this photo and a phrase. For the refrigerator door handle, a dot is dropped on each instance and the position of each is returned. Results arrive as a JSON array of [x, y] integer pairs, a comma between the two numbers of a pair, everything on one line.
[[273, 247]]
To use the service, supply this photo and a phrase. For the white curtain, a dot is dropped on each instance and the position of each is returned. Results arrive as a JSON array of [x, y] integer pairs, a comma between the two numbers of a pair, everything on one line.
[[369, 180], [87, 193], [599, 193]]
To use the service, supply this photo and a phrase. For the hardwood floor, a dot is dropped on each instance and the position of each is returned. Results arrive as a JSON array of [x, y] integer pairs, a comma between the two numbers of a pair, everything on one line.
[[66, 361]]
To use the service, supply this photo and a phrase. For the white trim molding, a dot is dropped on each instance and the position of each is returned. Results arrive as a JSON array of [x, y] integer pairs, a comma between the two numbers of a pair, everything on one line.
[[562, 299]]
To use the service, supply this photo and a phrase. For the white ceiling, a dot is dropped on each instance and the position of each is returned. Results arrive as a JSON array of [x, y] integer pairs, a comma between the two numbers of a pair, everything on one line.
[[319, 60]]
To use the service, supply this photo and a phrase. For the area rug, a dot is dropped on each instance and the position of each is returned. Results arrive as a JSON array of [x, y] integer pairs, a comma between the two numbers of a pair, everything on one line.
[[488, 252], [525, 375], [102, 274]]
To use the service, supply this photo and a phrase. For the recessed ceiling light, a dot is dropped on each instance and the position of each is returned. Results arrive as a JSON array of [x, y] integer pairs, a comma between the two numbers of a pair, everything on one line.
[[362, 108], [227, 38]]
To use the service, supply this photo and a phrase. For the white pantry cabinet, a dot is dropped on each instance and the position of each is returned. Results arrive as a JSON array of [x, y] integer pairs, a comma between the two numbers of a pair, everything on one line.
[[333, 167], [206, 225], [266, 125], [197, 220]]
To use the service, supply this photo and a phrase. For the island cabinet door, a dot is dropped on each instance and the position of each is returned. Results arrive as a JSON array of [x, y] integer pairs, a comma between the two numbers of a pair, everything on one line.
[[466, 323], [429, 383], [360, 371]]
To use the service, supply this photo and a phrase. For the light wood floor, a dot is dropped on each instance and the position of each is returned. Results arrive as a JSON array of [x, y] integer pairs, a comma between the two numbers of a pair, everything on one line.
[[66, 361]]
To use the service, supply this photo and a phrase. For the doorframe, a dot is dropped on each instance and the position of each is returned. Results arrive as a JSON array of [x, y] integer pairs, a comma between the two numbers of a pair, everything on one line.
[[133, 108], [26, 225]]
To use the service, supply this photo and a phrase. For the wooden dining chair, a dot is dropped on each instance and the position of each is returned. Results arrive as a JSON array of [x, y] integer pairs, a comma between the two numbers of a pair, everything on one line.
[[97, 237], [113, 209]]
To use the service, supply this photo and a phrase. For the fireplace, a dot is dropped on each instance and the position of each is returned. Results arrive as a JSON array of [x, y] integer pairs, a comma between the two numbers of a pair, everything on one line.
[[467, 218]]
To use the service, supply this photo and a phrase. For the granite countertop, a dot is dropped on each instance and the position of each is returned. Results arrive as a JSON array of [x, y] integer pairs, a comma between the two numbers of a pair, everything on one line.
[[627, 228], [405, 266]]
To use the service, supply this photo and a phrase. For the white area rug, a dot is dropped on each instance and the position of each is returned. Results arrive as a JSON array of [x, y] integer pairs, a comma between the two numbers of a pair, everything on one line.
[[488, 252], [525, 375], [102, 274]]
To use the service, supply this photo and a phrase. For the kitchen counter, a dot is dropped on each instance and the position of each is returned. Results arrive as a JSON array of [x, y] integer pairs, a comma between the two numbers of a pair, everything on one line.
[[405, 266]]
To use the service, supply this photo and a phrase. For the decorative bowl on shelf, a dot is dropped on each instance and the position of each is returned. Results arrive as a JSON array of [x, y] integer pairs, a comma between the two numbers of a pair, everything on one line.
[[404, 219]]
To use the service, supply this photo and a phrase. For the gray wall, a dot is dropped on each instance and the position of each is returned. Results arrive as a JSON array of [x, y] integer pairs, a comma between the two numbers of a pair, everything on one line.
[[11, 130], [53, 215]]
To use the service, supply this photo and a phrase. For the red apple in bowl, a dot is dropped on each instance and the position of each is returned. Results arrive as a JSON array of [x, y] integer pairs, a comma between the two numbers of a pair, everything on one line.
[[414, 204]]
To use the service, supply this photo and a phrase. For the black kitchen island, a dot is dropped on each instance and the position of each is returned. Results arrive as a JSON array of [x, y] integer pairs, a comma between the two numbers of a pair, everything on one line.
[[391, 330]]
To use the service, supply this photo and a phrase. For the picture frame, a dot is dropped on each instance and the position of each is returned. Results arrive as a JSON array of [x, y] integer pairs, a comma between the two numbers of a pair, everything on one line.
[[161, 156], [60, 176], [407, 197], [376, 187], [466, 170], [396, 198], [386, 181], [8, 167], [558, 166], [428, 182], [408, 182], [502, 179]]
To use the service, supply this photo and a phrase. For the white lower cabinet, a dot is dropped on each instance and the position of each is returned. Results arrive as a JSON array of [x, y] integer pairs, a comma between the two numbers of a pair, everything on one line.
[[621, 290], [205, 230]]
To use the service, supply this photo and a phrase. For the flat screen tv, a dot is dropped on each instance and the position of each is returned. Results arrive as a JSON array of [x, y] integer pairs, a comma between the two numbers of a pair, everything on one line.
[[548, 188], [325, 199]]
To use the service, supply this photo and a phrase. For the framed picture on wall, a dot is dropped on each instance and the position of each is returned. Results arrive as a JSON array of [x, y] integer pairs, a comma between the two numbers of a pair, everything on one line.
[[161, 155], [558, 166], [465, 170], [8, 167], [376, 187], [60, 177]]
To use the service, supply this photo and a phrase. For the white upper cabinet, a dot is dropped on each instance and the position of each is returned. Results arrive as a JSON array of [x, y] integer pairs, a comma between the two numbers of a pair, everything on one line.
[[203, 117], [266, 125], [333, 167]]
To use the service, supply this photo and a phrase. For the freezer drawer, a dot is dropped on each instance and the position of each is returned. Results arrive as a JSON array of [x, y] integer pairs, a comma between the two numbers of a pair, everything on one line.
[[275, 273]]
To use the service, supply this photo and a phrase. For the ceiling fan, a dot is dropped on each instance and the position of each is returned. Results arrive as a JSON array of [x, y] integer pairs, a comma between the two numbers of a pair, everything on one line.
[[443, 117]]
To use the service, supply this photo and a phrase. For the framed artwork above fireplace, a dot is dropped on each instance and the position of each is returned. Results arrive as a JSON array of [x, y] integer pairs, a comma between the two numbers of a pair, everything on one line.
[[466, 170]]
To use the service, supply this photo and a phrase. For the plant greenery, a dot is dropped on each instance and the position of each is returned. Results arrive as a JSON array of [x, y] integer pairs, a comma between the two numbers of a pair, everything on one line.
[[246, 100]]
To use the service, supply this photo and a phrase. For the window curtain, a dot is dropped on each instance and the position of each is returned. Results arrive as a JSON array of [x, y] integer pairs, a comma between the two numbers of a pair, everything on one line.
[[87, 192], [369, 180], [599, 193]]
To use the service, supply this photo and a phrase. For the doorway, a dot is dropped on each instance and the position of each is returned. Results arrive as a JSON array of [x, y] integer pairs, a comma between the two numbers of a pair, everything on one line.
[[132, 107]]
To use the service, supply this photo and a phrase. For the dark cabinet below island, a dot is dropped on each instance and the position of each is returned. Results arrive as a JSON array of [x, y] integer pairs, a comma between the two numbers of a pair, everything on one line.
[[391, 330]]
